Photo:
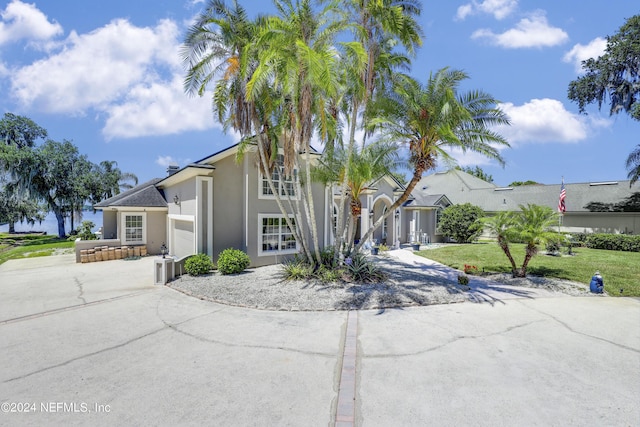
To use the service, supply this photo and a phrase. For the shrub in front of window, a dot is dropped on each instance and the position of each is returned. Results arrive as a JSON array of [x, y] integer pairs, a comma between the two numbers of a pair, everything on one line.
[[461, 222], [233, 261], [198, 265]]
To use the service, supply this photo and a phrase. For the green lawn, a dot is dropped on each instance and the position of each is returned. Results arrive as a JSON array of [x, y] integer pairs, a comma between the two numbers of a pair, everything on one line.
[[13, 246], [620, 270]]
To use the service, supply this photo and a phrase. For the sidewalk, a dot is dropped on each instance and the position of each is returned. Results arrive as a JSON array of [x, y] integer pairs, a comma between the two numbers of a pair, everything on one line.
[[481, 289]]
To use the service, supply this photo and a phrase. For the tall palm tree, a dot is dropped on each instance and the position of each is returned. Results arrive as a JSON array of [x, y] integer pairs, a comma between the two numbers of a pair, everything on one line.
[[633, 166], [431, 118], [383, 31]]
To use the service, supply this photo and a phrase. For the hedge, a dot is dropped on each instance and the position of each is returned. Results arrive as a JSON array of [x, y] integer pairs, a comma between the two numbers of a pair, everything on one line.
[[614, 242]]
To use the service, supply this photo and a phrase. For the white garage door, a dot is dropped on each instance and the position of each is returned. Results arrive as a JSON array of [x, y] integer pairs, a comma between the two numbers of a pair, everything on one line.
[[183, 241]]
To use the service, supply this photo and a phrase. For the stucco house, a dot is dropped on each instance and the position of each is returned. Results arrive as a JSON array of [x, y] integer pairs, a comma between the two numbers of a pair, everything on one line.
[[218, 203], [591, 207]]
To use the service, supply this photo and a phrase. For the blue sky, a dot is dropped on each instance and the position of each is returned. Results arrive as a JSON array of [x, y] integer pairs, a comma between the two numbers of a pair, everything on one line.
[[107, 76]]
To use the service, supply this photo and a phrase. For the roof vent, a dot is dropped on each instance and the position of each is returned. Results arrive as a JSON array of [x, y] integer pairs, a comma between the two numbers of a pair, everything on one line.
[[171, 169], [594, 184]]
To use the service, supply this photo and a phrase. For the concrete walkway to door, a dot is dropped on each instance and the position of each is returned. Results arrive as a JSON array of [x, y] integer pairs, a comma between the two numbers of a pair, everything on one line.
[[97, 344]]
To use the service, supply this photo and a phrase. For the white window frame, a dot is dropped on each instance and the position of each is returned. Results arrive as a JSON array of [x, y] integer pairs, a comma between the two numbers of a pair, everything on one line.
[[279, 183], [279, 233], [123, 228]]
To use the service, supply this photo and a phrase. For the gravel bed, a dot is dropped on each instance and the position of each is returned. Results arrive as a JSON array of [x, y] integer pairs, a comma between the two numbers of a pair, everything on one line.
[[406, 285], [265, 288]]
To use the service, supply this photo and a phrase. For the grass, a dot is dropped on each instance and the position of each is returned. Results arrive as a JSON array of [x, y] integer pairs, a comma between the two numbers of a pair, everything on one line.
[[14, 246], [620, 270]]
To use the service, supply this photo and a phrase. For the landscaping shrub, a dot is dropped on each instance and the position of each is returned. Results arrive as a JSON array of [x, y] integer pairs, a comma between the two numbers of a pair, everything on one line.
[[359, 269], [233, 261], [198, 265], [84, 231], [614, 242], [461, 222], [297, 270]]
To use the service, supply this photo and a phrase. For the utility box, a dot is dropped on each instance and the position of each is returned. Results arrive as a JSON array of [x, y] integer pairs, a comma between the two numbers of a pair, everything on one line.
[[163, 271]]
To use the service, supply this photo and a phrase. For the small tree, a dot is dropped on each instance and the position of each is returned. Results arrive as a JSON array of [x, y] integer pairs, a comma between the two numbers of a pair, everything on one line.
[[461, 222], [532, 226]]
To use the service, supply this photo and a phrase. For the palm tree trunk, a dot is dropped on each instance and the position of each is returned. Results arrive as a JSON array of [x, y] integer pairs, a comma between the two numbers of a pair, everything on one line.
[[505, 248], [312, 213], [342, 220], [12, 227], [530, 252], [417, 175], [297, 235]]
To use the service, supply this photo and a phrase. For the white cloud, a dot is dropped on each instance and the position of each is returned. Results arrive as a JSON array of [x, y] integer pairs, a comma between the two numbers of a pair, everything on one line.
[[130, 75], [543, 120], [157, 109], [500, 9], [529, 32], [97, 68], [26, 21], [166, 161], [580, 52]]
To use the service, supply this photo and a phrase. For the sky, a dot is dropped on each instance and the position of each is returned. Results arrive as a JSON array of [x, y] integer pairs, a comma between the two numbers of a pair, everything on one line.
[[107, 76]]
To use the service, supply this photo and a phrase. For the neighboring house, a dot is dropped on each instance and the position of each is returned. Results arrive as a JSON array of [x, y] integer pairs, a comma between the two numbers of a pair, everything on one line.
[[217, 203], [590, 207]]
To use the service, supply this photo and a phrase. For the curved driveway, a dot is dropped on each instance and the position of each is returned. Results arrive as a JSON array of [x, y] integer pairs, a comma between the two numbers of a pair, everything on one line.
[[97, 344]]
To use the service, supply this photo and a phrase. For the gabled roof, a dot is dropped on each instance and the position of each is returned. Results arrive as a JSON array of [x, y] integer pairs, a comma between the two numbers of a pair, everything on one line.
[[144, 195], [461, 187], [186, 172], [428, 201], [226, 152]]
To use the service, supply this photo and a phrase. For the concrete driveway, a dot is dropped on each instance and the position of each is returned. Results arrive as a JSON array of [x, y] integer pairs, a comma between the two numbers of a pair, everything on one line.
[[97, 344]]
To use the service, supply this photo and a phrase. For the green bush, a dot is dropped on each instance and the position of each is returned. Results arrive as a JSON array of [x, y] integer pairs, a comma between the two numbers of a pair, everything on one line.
[[84, 231], [614, 242], [461, 222], [233, 261], [198, 265]]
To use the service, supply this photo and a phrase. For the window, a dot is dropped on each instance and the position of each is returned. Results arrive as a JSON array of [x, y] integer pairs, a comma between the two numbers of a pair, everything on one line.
[[275, 235], [133, 228], [438, 216], [384, 223], [285, 186]]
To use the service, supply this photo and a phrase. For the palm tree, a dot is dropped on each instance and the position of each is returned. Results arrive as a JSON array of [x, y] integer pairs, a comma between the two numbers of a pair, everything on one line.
[[432, 118], [501, 225], [367, 164], [113, 180], [533, 227], [297, 57], [380, 27], [633, 166]]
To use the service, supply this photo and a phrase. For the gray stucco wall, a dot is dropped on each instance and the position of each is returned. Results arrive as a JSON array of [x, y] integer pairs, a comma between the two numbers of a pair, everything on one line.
[[228, 213], [156, 231], [602, 222]]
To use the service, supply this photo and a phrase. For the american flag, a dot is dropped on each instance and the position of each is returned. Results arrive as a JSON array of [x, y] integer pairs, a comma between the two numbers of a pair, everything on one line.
[[563, 195]]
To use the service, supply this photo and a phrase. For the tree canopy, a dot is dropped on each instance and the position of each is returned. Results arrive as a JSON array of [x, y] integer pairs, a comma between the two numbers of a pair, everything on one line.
[[614, 76], [53, 173]]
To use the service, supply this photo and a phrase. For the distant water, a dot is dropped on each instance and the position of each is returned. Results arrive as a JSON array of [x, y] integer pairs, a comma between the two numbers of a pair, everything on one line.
[[50, 224]]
